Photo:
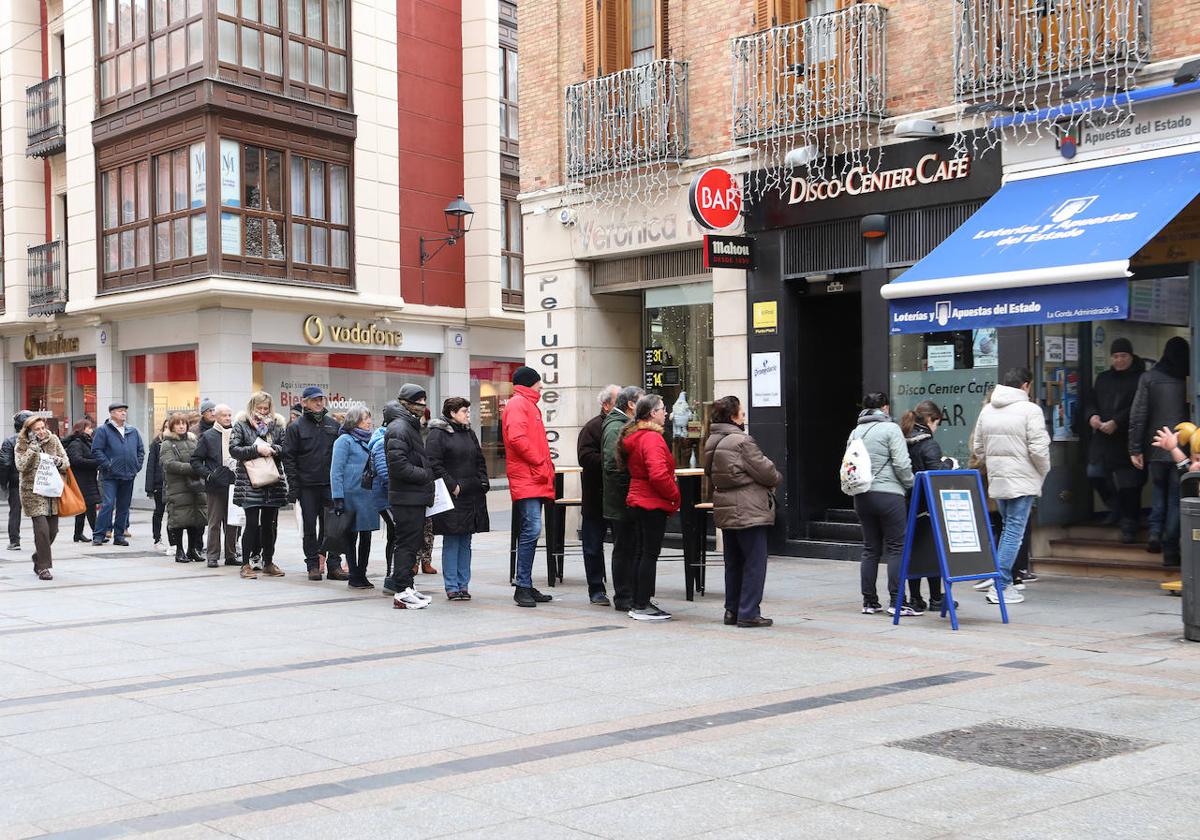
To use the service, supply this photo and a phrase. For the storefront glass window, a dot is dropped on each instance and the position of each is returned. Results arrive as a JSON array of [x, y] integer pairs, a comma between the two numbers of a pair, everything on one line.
[[491, 386], [158, 384], [65, 392], [350, 379], [678, 362]]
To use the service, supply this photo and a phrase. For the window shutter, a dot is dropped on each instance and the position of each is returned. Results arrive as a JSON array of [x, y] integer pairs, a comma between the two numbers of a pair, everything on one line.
[[614, 36], [662, 37], [764, 13], [591, 38]]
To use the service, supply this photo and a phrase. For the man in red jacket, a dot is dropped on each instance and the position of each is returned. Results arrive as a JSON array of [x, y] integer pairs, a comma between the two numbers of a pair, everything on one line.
[[530, 475]]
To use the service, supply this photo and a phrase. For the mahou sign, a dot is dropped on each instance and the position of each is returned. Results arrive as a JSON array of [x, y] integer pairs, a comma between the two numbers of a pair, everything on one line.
[[716, 198]]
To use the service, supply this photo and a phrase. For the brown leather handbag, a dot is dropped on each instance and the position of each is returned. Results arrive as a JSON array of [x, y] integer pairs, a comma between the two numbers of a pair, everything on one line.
[[71, 502]]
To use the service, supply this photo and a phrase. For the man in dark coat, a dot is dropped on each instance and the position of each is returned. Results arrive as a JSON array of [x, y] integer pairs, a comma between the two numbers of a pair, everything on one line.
[[616, 488], [307, 457], [410, 492], [1106, 411], [594, 525], [208, 417], [12, 480], [119, 449], [211, 460]]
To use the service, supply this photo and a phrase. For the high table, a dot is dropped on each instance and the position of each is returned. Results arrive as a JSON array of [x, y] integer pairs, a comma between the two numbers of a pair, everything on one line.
[[692, 524], [554, 516]]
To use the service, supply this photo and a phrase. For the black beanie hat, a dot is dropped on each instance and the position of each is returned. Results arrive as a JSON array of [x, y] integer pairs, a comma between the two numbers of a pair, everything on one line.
[[526, 376], [1121, 345]]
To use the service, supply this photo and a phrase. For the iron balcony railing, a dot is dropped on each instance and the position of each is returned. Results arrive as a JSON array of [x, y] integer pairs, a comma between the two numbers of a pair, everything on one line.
[[825, 70], [46, 129], [47, 278], [628, 118], [1004, 45]]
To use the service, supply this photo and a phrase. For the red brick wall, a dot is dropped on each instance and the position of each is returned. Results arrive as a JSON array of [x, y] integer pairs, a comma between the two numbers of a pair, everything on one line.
[[429, 83]]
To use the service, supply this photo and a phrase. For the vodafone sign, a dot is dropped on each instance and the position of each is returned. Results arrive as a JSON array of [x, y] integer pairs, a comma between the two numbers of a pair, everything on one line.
[[715, 198]]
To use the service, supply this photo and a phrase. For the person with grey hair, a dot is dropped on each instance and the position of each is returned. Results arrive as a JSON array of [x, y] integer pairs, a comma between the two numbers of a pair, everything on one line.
[[616, 488], [351, 451], [212, 463], [594, 525]]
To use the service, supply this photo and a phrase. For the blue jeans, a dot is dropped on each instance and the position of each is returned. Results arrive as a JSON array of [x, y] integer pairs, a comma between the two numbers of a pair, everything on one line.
[[456, 562], [1164, 505], [527, 517], [1015, 514], [114, 510]]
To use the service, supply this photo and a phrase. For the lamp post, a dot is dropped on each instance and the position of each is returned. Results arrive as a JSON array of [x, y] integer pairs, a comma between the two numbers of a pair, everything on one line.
[[458, 221]]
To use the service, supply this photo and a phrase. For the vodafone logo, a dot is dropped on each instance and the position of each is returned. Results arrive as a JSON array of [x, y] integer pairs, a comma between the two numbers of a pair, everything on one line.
[[715, 198]]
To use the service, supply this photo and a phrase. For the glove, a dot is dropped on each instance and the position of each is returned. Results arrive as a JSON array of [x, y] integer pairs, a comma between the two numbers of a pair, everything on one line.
[[339, 505], [292, 497]]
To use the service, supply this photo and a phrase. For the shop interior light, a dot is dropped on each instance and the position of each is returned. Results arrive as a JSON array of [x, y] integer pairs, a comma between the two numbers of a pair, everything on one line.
[[874, 226], [1187, 73], [458, 221]]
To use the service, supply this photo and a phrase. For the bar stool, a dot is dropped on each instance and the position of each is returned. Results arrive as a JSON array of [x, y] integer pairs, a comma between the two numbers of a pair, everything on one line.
[[706, 509], [559, 549]]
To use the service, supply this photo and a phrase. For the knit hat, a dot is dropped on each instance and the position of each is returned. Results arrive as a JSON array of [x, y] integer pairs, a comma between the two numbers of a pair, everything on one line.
[[207, 406], [526, 376], [411, 393], [1122, 345]]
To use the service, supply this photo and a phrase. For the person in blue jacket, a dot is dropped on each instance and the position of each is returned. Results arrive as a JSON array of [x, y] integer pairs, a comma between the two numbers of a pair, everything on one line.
[[350, 455], [379, 462], [119, 449]]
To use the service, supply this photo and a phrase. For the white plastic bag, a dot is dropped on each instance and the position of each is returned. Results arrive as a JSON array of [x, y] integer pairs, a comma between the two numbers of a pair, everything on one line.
[[235, 517], [48, 481], [442, 500]]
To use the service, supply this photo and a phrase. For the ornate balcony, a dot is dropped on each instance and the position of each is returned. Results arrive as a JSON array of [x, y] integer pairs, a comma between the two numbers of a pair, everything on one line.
[[627, 119], [818, 72], [45, 126], [1012, 45], [47, 278]]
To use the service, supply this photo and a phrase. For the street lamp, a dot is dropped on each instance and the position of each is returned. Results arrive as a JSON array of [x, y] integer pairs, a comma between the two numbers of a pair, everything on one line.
[[458, 221]]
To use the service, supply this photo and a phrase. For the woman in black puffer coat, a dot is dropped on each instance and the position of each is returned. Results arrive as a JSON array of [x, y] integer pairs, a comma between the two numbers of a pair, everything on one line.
[[258, 433], [83, 466], [918, 426], [455, 457]]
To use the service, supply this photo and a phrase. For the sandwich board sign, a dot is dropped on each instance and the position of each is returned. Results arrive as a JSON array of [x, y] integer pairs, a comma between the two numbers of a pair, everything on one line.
[[949, 535]]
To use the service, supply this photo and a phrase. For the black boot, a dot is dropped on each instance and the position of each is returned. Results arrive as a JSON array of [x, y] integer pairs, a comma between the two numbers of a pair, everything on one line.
[[193, 550], [524, 597], [175, 538]]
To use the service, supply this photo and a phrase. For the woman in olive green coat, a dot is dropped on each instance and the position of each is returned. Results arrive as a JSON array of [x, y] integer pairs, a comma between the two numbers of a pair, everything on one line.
[[187, 504]]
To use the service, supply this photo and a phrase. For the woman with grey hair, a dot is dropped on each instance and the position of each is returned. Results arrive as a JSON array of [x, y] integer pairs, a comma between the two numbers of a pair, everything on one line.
[[350, 454]]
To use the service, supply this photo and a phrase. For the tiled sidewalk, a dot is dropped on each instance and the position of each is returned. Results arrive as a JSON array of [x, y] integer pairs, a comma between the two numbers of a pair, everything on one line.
[[141, 697]]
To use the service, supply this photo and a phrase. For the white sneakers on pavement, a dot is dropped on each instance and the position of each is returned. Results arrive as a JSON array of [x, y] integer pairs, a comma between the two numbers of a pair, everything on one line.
[[1011, 596], [411, 599]]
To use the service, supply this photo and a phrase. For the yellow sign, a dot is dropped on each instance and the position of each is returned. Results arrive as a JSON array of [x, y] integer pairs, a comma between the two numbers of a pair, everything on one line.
[[53, 346], [315, 332], [766, 317]]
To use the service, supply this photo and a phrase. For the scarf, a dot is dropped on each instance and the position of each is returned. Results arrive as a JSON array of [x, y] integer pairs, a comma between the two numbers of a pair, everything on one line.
[[316, 416], [261, 424], [363, 435]]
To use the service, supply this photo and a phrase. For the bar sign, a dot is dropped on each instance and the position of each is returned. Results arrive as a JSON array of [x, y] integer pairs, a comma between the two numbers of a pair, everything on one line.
[[729, 252]]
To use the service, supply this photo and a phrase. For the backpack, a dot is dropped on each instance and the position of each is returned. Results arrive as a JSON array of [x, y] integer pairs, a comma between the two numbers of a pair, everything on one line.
[[855, 475]]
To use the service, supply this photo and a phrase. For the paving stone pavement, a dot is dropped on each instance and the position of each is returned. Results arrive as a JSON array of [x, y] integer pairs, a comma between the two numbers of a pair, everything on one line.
[[139, 697]]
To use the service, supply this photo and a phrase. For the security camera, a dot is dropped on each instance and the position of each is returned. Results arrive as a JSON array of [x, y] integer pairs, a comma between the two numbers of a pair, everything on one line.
[[567, 216], [801, 156], [918, 128]]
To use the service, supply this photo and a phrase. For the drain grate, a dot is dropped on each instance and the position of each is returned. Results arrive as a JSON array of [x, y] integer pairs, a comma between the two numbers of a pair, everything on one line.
[[1021, 745]]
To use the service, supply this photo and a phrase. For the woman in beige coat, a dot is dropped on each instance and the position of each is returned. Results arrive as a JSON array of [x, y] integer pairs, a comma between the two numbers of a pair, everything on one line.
[[34, 441], [744, 482]]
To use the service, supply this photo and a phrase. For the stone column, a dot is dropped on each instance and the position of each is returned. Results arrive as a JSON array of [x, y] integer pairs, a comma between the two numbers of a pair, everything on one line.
[[729, 333], [110, 380], [454, 371], [224, 356]]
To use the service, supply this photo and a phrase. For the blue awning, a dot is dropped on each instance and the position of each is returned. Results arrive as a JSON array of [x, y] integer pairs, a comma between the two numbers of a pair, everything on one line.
[[1045, 249]]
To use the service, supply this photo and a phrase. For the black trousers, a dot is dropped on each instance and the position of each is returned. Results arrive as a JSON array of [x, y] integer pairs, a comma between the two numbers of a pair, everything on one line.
[[313, 501], [258, 537], [156, 520], [651, 525], [592, 530], [884, 519], [389, 545], [624, 555], [410, 537], [88, 516], [745, 570], [14, 513], [357, 560]]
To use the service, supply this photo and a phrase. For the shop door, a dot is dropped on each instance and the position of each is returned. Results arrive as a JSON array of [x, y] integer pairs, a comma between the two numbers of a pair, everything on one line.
[[829, 363], [1060, 387]]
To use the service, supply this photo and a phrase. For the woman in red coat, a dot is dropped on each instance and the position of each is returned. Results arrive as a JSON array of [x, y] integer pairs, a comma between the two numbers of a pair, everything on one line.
[[653, 496]]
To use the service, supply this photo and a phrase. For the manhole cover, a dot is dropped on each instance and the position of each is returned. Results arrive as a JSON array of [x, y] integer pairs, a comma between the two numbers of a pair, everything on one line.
[[1021, 745]]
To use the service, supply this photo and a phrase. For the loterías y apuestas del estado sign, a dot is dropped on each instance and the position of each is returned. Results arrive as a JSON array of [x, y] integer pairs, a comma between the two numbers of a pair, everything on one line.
[[860, 180], [367, 335]]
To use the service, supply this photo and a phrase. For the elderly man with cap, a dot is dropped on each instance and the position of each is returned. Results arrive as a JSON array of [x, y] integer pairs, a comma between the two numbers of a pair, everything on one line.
[[208, 416], [530, 475], [119, 449], [307, 457], [410, 492]]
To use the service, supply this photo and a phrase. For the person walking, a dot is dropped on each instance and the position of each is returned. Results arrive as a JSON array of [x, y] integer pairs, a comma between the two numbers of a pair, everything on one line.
[[653, 496], [530, 475], [212, 462], [743, 481], [119, 449], [919, 426], [258, 433], [12, 479], [410, 492], [593, 524], [1012, 444], [1107, 409], [616, 489], [78, 446], [391, 411], [881, 509], [351, 453], [155, 482], [1161, 401], [307, 458], [33, 441], [456, 458], [183, 488]]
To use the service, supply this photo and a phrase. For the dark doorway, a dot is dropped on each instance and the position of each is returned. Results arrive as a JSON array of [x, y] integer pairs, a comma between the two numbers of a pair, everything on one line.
[[829, 366]]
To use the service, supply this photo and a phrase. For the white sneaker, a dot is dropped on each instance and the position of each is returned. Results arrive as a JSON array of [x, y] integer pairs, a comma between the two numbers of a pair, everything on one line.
[[408, 600], [984, 585], [420, 595], [168, 550], [1010, 596]]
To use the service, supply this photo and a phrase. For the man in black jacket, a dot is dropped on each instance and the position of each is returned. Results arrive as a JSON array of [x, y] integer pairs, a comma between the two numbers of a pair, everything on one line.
[[1106, 412], [594, 524], [211, 460], [307, 456], [410, 492], [12, 478]]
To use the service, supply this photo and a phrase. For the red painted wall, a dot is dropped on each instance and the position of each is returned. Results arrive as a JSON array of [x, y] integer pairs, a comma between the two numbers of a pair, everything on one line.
[[429, 80]]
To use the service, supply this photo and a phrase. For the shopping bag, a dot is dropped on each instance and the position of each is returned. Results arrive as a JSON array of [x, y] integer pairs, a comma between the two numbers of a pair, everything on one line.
[[299, 514], [71, 502], [235, 517], [442, 499], [48, 480], [337, 532], [262, 472]]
